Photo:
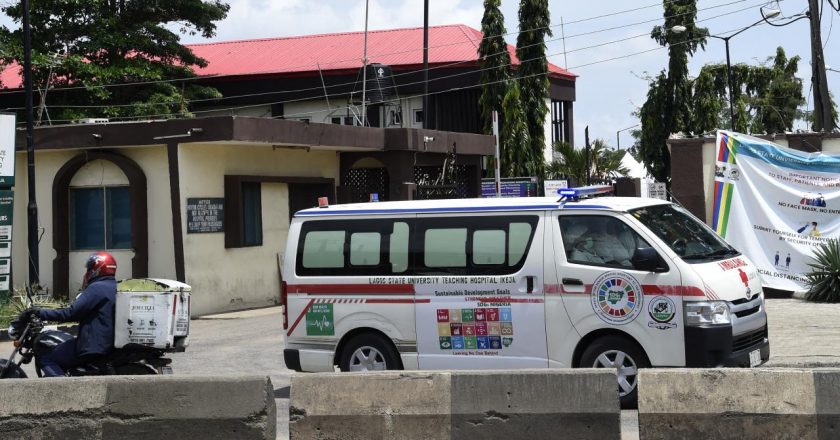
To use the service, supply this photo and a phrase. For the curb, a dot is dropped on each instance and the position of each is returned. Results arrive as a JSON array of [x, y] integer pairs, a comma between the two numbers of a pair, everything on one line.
[[72, 329]]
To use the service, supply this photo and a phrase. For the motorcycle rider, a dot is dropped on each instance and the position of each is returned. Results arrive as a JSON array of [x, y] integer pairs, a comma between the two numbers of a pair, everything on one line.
[[94, 310]]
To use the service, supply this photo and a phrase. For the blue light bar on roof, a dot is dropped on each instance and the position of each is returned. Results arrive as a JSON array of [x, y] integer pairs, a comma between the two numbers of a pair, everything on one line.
[[583, 191]]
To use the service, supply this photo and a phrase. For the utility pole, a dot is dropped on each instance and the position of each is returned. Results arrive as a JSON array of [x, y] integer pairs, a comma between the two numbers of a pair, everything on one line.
[[822, 102], [586, 134], [32, 207], [425, 63]]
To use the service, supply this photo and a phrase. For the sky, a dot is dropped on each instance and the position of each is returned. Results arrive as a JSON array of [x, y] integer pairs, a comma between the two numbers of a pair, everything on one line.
[[611, 84]]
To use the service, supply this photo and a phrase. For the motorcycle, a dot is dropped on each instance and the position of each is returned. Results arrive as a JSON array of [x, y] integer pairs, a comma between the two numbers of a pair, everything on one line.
[[31, 341]]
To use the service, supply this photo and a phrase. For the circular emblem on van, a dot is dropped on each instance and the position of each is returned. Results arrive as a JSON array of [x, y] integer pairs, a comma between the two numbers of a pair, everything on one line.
[[662, 309], [617, 297]]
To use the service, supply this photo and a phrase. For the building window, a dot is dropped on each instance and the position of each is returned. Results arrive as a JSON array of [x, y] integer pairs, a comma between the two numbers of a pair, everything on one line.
[[100, 218], [251, 214], [336, 121], [418, 116]]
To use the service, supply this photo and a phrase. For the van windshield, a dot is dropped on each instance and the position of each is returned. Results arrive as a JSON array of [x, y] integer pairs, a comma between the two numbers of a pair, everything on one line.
[[689, 238]]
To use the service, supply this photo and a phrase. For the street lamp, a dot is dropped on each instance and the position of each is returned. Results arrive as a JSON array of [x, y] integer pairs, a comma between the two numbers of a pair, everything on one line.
[[766, 15], [618, 138]]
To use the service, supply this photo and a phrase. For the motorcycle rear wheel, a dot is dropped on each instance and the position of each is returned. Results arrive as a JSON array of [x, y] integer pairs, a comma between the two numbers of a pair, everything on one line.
[[134, 370]]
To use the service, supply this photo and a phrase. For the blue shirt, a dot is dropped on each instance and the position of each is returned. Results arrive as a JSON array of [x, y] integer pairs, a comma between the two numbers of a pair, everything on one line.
[[94, 310]]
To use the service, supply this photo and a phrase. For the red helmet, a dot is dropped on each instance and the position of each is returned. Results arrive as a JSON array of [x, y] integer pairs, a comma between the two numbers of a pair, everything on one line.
[[99, 264]]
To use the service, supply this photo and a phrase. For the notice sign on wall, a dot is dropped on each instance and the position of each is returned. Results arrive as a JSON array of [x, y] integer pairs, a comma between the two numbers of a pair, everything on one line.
[[205, 215], [7, 149]]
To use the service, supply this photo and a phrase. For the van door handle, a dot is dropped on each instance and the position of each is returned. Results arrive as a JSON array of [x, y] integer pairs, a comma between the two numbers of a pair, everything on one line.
[[529, 282], [572, 282]]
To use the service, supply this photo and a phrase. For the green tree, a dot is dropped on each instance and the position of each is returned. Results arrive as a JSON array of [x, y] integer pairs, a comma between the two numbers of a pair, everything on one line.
[[668, 109], [114, 41], [495, 62], [767, 97], [517, 156], [534, 26]]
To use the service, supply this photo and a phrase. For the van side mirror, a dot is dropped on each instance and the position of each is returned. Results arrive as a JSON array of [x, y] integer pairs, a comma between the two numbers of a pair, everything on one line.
[[648, 260]]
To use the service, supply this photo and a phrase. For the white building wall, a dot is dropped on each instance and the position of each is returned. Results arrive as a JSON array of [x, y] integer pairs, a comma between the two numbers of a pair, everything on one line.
[[236, 278], [152, 160]]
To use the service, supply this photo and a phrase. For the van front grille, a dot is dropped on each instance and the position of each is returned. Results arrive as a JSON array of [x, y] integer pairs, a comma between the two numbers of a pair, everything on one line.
[[747, 340], [748, 312]]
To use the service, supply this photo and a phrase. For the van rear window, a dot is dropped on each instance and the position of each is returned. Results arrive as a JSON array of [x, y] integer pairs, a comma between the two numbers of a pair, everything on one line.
[[492, 245]]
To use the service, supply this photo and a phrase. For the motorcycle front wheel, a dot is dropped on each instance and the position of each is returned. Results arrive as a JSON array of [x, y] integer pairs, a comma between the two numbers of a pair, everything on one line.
[[134, 370], [13, 372]]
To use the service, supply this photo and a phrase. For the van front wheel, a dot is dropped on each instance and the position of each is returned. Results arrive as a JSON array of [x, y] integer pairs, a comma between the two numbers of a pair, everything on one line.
[[622, 355], [368, 352]]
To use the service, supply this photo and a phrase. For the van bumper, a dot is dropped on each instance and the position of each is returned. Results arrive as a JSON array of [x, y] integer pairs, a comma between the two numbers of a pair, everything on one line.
[[709, 347], [292, 359]]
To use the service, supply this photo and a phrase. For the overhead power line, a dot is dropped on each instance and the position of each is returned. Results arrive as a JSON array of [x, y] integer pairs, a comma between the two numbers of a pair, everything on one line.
[[315, 64]]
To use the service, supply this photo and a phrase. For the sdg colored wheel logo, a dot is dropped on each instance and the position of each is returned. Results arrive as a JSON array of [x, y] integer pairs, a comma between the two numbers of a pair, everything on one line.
[[617, 297]]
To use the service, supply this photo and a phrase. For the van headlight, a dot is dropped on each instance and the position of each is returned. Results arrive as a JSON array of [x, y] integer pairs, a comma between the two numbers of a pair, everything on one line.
[[707, 313]]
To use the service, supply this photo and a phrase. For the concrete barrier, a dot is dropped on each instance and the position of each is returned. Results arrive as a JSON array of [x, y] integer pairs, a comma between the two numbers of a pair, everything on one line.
[[739, 404], [138, 407], [532, 404]]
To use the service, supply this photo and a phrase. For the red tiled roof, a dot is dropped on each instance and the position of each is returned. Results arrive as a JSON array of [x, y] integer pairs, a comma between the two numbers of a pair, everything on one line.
[[394, 47], [341, 51]]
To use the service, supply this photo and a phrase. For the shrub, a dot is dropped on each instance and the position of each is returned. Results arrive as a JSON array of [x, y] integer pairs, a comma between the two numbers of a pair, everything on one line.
[[824, 279]]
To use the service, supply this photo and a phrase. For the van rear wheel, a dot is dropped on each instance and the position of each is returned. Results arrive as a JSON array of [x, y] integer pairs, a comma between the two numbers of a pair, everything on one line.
[[369, 352], [622, 355]]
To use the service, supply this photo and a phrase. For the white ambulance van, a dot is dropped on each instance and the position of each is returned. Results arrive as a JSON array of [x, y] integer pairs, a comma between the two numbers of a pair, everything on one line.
[[621, 283]]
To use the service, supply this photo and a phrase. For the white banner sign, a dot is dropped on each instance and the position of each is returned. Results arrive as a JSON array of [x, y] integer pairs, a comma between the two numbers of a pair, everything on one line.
[[7, 149], [775, 205]]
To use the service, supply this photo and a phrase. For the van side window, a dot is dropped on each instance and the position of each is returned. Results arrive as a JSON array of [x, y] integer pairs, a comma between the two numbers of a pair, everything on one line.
[[599, 241], [323, 249], [354, 247], [481, 245], [398, 248], [445, 247], [364, 248]]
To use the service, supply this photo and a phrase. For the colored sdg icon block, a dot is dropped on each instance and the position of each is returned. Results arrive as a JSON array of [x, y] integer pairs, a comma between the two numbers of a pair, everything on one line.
[[444, 329], [481, 328], [454, 315], [443, 315], [470, 342], [469, 329], [507, 329], [457, 342], [495, 342], [494, 328], [467, 315], [505, 314], [482, 342], [456, 329], [480, 315], [445, 343], [492, 314]]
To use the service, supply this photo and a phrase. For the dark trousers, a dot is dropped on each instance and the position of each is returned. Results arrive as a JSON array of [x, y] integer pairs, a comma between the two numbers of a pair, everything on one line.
[[63, 357]]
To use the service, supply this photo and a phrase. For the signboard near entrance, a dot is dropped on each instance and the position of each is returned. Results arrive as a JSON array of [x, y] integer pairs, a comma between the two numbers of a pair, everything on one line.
[[511, 187], [7, 201], [205, 215]]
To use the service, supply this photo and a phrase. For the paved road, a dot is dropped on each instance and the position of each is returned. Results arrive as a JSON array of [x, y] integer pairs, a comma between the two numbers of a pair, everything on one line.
[[801, 335]]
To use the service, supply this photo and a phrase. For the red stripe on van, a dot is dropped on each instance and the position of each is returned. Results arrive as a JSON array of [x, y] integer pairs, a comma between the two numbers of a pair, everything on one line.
[[302, 313], [352, 289], [398, 301]]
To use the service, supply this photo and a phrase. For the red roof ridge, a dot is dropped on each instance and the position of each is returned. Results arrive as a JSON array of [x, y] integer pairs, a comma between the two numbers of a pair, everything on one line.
[[331, 34]]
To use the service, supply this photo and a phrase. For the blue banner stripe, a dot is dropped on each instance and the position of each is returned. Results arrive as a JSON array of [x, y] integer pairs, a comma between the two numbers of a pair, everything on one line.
[[792, 159]]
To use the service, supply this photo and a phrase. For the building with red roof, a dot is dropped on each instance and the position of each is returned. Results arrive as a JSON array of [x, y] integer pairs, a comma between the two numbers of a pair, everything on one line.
[[317, 78]]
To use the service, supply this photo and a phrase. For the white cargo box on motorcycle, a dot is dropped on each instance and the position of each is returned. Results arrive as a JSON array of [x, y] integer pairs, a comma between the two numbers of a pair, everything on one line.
[[152, 312]]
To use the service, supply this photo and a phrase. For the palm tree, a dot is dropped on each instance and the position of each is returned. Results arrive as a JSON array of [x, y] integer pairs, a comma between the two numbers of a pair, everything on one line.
[[604, 164]]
